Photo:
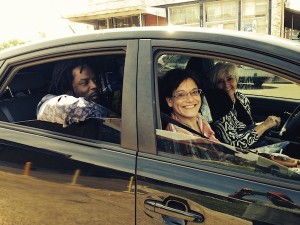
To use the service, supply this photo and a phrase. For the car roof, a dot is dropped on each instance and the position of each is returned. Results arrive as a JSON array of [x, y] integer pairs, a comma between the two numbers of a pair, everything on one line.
[[244, 40]]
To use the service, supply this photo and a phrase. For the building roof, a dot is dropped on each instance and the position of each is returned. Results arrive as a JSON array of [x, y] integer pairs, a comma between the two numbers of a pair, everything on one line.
[[116, 12]]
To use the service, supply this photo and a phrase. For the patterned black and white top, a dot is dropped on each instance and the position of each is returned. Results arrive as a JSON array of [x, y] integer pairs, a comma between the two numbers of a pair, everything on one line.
[[243, 108], [230, 130]]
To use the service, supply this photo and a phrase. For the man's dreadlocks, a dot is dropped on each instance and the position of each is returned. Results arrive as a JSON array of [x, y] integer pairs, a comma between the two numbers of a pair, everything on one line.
[[62, 76]]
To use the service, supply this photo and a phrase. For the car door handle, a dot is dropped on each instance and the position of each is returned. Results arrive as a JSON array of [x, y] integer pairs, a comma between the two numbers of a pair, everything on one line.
[[158, 207]]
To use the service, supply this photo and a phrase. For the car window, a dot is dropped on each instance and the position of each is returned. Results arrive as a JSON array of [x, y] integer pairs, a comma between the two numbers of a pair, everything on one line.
[[251, 80], [254, 81], [31, 84], [275, 159]]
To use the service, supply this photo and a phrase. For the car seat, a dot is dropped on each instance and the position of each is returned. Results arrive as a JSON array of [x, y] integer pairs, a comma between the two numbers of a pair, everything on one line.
[[202, 67], [26, 90]]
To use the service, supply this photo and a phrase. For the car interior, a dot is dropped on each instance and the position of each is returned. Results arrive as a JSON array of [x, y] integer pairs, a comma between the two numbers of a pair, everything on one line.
[[262, 106], [22, 95], [19, 101]]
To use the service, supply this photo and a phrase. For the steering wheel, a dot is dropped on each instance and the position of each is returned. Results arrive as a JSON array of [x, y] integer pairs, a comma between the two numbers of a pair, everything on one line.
[[292, 123]]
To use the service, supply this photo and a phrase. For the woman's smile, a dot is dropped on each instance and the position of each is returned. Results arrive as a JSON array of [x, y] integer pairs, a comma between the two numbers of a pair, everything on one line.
[[190, 106]]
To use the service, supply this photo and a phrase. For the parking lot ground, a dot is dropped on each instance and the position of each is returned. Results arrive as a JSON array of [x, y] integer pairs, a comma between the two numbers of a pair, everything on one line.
[[28, 200]]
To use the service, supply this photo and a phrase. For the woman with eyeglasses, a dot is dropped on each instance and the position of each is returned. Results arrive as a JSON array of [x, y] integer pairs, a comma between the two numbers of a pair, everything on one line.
[[180, 91]]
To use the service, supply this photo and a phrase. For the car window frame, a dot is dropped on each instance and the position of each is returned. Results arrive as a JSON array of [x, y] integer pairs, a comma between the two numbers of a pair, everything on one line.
[[206, 50], [12, 65]]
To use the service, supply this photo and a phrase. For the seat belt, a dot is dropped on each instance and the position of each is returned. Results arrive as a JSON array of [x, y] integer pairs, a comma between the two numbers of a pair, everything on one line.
[[179, 124], [8, 115]]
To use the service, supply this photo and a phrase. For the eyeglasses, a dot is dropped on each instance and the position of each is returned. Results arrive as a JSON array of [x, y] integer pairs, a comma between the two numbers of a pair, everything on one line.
[[184, 95]]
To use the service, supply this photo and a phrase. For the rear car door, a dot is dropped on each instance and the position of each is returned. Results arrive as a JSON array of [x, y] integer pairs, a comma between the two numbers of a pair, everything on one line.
[[182, 180], [75, 175]]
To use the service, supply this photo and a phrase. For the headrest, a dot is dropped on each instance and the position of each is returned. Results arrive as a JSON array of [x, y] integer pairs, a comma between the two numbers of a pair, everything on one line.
[[111, 81], [27, 81], [201, 66], [219, 103]]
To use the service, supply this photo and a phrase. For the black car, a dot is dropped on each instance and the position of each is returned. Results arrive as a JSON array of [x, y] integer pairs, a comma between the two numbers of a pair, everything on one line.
[[128, 169]]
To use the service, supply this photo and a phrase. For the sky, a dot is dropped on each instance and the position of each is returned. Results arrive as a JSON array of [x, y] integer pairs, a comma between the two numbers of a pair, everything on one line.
[[295, 4], [27, 20]]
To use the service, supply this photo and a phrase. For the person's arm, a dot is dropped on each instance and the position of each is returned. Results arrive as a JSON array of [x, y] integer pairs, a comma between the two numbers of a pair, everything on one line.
[[270, 122], [65, 109], [261, 127]]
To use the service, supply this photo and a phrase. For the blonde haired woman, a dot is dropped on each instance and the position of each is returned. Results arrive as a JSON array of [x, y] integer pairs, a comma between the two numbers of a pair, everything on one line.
[[243, 131]]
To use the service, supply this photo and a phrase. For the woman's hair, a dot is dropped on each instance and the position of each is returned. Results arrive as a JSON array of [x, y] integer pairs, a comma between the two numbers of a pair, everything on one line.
[[62, 76], [173, 78], [220, 69], [171, 81]]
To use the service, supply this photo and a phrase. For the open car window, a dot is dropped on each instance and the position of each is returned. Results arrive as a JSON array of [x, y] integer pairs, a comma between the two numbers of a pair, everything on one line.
[[265, 90], [28, 86], [251, 80]]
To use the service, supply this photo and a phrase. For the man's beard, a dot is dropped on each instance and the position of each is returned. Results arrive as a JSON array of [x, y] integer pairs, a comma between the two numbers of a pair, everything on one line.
[[95, 97]]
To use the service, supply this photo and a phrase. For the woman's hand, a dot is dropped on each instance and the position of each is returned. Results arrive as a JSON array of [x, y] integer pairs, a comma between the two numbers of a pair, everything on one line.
[[270, 122]]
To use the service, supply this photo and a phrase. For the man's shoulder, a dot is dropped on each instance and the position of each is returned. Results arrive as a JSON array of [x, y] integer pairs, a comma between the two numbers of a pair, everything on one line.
[[56, 101], [62, 99], [47, 97]]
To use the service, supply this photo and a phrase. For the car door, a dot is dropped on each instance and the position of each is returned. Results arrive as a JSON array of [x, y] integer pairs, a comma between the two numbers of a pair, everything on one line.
[[180, 180], [81, 174]]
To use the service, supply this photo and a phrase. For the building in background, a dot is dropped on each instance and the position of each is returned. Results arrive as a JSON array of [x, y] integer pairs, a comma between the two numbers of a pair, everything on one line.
[[275, 17], [292, 20], [103, 14]]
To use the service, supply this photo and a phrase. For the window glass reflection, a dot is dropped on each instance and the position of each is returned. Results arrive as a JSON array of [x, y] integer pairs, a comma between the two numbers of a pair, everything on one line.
[[204, 150]]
